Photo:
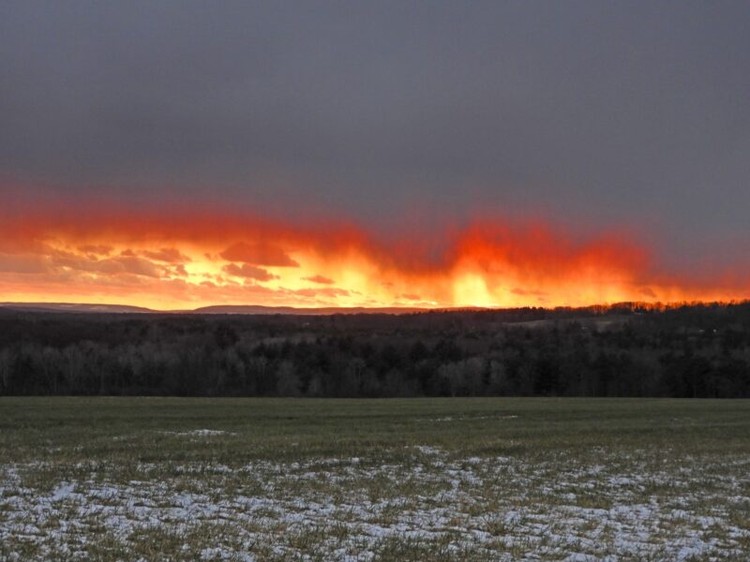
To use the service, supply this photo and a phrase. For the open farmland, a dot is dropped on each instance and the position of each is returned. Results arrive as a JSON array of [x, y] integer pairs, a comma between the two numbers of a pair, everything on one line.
[[423, 479]]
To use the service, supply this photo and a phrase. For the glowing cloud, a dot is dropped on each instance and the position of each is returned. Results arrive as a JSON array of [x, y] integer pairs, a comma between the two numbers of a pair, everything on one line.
[[258, 254], [249, 272], [320, 279], [184, 259]]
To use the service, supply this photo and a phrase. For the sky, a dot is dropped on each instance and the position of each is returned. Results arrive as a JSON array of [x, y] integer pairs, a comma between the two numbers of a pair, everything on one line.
[[432, 154]]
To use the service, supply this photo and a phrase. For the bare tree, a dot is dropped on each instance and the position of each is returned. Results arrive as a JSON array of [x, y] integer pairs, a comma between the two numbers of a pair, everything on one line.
[[5, 369], [287, 381]]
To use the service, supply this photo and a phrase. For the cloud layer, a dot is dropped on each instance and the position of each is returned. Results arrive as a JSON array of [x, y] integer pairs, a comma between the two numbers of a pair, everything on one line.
[[188, 258]]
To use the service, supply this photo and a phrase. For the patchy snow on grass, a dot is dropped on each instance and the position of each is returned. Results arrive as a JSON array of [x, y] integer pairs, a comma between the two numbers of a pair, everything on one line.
[[199, 433], [470, 418], [353, 508]]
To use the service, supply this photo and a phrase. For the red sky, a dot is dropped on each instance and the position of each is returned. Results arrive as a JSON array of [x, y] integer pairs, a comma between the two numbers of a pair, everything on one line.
[[182, 257], [174, 155]]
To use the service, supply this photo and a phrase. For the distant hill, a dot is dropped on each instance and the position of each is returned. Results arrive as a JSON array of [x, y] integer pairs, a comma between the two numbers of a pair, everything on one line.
[[325, 311], [217, 309], [74, 307]]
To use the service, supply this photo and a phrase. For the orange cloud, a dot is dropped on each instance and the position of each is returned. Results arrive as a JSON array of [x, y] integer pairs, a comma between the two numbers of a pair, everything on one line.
[[168, 255], [259, 254], [322, 292], [186, 258], [319, 279], [249, 272], [22, 264], [95, 249]]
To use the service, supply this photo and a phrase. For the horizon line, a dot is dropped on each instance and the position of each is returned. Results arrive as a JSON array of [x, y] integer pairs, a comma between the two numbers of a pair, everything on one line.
[[249, 309]]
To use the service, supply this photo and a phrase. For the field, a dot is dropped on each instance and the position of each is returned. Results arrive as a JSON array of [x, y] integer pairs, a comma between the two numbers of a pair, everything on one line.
[[425, 479]]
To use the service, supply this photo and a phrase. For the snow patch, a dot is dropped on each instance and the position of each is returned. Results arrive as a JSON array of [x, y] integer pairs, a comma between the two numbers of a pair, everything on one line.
[[200, 433]]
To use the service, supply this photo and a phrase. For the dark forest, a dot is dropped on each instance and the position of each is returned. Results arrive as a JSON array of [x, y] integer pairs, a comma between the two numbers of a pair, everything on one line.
[[623, 350]]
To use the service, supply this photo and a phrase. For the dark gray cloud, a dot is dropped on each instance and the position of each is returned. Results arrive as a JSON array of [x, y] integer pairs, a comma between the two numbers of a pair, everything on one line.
[[592, 111]]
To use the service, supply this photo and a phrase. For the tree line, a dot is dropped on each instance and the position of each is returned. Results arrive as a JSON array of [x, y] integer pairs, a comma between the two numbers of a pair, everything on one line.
[[627, 350]]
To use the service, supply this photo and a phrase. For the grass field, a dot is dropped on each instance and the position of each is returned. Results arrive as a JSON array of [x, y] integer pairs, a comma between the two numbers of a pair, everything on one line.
[[433, 479]]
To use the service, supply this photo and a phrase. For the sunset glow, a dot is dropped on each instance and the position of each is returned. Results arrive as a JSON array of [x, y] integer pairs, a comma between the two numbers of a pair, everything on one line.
[[411, 155], [183, 259]]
